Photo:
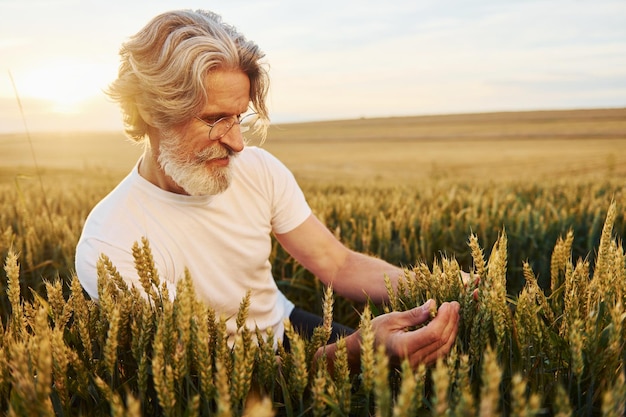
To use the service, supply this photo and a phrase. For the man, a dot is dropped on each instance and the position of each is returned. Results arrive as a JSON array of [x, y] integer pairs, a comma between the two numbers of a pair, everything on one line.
[[209, 204]]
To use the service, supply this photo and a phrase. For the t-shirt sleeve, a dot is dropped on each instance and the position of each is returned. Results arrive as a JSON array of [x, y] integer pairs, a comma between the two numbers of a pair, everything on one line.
[[289, 206]]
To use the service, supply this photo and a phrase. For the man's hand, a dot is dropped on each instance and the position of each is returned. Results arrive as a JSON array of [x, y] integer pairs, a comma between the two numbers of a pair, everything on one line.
[[392, 330], [423, 345]]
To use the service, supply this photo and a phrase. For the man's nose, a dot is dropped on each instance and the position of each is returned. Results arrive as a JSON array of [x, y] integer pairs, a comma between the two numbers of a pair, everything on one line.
[[233, 139]]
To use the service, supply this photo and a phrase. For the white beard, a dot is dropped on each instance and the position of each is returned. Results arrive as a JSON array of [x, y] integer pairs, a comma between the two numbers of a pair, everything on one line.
[[191, 173]]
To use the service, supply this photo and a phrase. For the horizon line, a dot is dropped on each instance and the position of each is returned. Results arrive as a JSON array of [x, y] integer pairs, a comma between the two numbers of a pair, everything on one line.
[[354, 119]]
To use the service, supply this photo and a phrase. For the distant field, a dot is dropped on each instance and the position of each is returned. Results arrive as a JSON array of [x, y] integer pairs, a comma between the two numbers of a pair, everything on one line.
[[491, 146]]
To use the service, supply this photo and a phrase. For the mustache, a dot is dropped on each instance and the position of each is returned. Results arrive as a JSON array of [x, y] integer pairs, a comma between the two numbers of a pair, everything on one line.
[[214, 152]]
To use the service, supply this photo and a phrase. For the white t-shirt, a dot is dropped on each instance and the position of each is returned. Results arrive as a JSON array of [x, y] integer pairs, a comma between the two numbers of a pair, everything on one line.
[[224, 240]]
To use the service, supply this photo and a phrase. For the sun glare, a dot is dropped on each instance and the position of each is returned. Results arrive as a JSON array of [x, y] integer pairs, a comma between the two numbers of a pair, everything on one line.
[[66, 83]]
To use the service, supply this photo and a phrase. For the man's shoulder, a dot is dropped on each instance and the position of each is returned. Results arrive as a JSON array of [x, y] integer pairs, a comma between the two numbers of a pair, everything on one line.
[[117, 205]]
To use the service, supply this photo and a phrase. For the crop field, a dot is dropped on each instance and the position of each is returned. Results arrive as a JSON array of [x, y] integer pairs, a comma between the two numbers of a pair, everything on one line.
[[532, 204]]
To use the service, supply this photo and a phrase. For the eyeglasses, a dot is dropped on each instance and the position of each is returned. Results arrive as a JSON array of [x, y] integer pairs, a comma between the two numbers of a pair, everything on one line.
[[222, 126]]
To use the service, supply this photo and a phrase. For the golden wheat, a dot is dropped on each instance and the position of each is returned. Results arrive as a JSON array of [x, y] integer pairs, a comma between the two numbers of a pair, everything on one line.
[[556, 344]]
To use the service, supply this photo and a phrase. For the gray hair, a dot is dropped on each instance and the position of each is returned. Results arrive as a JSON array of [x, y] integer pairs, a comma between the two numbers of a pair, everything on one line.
[[164, 66]]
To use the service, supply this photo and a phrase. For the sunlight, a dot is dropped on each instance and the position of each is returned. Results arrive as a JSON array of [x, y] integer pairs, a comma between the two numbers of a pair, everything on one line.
[[65, 83]]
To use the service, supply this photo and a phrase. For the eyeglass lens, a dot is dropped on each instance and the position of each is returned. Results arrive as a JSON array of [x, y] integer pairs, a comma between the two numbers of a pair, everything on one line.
[[222, 126]]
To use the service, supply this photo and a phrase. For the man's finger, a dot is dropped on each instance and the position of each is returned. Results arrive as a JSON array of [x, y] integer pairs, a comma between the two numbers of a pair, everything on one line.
[[437, 337], [421, 314]]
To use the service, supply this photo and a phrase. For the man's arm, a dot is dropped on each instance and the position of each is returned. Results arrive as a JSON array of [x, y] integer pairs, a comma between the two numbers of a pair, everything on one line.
[[423, 345], [353, 275], [358, 276]]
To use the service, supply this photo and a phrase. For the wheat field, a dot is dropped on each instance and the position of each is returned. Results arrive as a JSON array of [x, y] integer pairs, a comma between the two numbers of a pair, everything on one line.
[[533, 204]]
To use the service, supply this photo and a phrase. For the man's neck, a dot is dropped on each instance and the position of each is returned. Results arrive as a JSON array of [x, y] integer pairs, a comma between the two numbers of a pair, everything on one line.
[[151, 170]]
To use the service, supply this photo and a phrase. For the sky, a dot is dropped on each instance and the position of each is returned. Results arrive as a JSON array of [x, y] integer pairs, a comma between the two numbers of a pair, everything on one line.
[[330, 60]]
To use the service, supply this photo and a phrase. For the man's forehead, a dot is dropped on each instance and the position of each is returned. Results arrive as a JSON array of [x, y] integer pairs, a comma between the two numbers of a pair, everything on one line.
[[227, 93]]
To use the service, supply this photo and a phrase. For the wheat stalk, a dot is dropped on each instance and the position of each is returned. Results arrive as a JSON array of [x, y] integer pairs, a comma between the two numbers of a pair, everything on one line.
[[382, 390], [406, 400], [490, 391], [465, 404], [441, 382]]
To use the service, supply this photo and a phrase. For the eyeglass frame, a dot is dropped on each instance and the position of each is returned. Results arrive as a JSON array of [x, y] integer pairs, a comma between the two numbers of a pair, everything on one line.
[[238, 118]]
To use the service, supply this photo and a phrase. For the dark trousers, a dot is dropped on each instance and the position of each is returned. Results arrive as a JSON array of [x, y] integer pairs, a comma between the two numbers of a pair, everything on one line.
[[304, 323]]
